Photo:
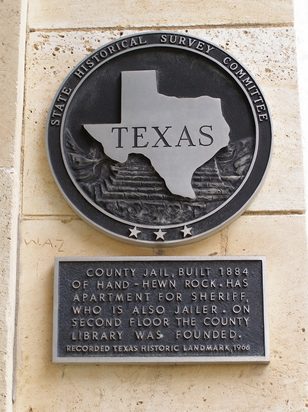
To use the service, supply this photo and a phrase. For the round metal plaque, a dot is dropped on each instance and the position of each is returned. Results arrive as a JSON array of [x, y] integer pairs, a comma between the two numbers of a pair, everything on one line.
[[159, 138]]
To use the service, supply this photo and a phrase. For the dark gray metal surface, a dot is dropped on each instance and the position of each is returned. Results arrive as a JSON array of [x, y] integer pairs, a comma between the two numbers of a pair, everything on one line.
[[159, 138], [159, 310]]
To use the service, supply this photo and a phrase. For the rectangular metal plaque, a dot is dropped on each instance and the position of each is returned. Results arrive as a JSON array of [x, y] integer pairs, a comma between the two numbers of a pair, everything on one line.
[[169, 309]]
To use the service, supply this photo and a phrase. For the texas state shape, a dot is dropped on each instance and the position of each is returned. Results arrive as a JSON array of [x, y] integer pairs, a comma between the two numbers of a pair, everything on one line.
[[177, 135]]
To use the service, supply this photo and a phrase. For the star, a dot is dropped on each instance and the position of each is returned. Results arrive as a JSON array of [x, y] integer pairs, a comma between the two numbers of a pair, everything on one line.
[[160, 234], [134, 232], [186, 231]]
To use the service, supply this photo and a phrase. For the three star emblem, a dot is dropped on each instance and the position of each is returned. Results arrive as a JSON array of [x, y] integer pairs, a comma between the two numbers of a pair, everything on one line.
[[160, 234]]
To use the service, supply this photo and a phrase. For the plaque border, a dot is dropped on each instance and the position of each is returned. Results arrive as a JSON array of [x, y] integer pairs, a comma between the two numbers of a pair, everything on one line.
[[157, 359]]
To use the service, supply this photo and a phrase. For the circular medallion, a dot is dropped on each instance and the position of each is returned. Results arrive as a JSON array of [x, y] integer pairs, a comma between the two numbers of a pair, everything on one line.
[[159, 138]]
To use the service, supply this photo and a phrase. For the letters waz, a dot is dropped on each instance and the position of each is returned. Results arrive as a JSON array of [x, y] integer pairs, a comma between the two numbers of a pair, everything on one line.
[[177, 135]]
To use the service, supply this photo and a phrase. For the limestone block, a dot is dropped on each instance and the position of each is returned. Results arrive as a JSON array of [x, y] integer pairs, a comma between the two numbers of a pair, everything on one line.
[[279, 386], [267, 53], [284, 279], [6, 305], [154, 13], [12, 45], [49, 59], [9, 54]]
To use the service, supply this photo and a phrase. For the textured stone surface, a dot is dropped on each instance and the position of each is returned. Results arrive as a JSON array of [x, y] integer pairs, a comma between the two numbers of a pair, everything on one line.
[[6, 306], [9, 55], [50, 228], [145, 13], [267, 53], [279, 386], [12, 46]]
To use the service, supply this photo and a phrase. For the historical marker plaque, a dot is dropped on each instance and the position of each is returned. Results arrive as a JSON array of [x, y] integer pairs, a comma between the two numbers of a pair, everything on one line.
[[167, 309], [159, 138]]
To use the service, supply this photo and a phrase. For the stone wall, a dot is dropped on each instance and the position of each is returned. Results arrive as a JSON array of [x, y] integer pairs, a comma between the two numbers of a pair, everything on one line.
[[12, 51], [260, 35]]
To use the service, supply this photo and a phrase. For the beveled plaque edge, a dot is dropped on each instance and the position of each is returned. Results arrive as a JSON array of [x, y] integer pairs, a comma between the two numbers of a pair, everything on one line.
[[129, 360]]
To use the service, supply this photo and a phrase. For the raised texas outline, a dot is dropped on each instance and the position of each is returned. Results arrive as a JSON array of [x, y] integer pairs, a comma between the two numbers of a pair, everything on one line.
[[177, 135]]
